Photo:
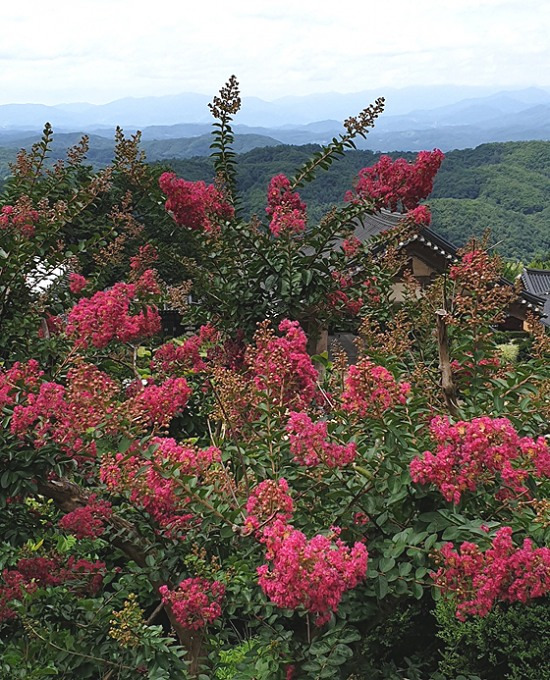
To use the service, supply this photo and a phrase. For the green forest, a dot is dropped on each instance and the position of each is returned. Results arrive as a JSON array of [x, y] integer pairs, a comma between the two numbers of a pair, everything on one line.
[[503, 187]]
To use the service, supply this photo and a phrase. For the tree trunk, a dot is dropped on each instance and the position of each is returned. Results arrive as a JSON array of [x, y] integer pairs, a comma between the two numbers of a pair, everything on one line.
[[447, 383]]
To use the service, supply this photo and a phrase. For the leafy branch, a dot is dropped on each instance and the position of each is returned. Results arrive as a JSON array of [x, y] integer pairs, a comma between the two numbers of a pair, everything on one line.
[[323, 159]]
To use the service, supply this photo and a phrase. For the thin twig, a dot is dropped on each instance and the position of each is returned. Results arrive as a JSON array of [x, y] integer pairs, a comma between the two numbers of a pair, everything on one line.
[[70, 651]]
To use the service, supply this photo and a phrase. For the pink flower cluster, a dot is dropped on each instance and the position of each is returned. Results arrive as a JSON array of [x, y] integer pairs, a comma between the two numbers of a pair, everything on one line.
[[287, 211], [77, 283], [148, 485], [313, 574], [87, 521], [503, 572], [195, 205], [420, 216], [19, 219], [80, 575], [342, 302], [107, 317], [171, 358], [351, 246], [398, 185], [342, 280], [65, 414], [268, 502], [478, 452], [370, 286], [53, 412], [148, 284], [309, 445], [369, 390], [157, 405], [196, 602], [282, 366], [20, 377]]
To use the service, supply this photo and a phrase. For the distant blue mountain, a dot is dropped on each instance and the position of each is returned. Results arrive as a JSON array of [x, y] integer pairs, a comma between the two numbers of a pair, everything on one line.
[[416, 117]]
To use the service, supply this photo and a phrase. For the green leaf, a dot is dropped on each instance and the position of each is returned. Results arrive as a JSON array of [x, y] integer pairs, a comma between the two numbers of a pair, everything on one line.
[[382, 587], [386, 563]]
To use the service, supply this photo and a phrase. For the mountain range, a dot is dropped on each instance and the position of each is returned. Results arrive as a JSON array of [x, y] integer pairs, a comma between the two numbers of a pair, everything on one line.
[[447, 117]]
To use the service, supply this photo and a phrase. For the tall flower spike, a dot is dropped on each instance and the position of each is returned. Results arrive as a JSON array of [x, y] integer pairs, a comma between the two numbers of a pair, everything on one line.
[[223, 108], [229, 101]]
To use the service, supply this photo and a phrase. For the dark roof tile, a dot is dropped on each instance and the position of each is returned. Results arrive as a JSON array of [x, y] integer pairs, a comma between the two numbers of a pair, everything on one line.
[[537, 281]]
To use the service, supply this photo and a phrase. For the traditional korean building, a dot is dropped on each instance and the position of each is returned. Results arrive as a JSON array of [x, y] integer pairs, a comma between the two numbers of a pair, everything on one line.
[[430, 255]]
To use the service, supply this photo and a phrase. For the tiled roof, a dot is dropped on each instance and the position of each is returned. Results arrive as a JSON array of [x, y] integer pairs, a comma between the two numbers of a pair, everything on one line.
[[537, 282], [369, 226]]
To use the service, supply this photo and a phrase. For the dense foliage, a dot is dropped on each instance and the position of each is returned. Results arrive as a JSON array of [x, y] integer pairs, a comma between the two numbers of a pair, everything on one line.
[[503, 187], [225, 503]]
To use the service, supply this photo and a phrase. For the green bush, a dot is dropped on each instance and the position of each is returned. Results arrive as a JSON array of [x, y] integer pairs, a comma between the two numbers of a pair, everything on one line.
[[510, 643]]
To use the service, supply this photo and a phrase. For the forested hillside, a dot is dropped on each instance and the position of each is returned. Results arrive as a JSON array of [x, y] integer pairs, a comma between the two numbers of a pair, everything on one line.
[[7, 156], [504, 187]]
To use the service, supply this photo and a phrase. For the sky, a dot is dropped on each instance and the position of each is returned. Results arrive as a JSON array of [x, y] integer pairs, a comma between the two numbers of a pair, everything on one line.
[[100, 50]]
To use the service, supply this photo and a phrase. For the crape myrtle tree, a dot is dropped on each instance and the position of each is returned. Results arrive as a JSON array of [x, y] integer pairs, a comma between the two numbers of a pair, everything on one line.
[[223, 504]]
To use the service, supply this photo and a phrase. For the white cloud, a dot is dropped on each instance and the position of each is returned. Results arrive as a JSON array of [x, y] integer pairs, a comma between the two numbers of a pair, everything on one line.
[[99, 50]]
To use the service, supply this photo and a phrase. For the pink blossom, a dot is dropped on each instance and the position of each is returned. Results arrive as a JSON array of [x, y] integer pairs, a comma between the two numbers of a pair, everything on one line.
[[196, 602], [369, 390], [287, 211], [79, 575], [473, 265], [351, 246], [482, 451], [107, 316], [21, 376], [268, 502], [148, 487], [53, 412], [195, 205], [420, 215], [157, 405], [503, 572], [341, 301], [20, 219], [188, 355], [312, 574], [87, 521], [148, 283], [144, 258], [310, 446], [282, 366], [398, 184], [77, 283]]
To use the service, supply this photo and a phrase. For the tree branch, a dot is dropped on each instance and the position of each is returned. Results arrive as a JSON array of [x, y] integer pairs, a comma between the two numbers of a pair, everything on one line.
[[68, 496]]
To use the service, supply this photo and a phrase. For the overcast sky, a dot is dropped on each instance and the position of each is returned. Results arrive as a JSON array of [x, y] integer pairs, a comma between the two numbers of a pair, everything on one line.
[[100, 50]]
